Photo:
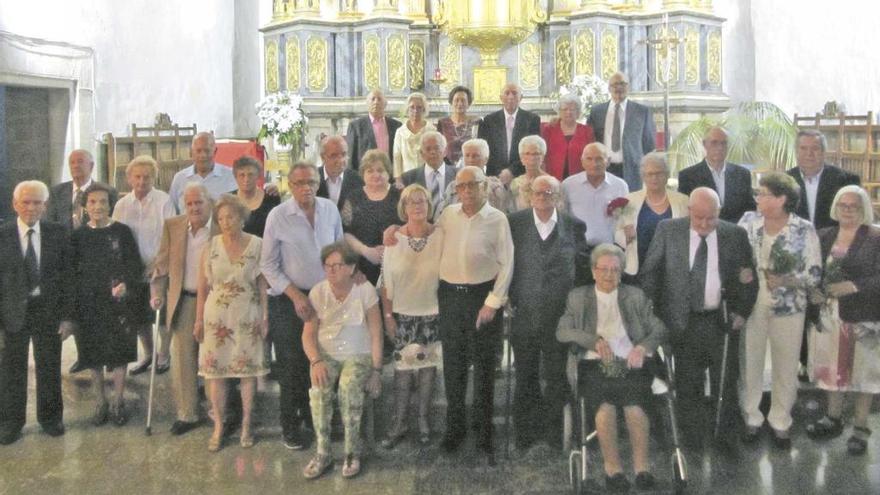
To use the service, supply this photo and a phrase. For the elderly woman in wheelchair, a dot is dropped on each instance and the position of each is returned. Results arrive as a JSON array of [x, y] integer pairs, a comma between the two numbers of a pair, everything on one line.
[[613, 331]]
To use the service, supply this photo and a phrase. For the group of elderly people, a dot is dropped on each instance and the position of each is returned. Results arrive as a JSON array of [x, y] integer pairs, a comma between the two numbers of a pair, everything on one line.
[[425, 246]]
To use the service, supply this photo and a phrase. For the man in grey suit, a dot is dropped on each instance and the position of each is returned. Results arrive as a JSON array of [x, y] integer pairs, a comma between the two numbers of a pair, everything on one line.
[[732, 182], [550, 258], [694, 266], [374, 131], [336, 181], [435, 175], [626, 128], [64, 205]]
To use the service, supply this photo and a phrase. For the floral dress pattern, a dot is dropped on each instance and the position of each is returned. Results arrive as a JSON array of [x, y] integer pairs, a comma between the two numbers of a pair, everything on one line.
[[233, 343]]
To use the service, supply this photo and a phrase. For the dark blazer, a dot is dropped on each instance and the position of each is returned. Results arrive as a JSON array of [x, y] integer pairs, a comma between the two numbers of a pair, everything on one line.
[[664, 275], [558, 148], [494, 130], [637, 139], [351, 180], [544, 271], [54, 270], [832, 179], [60, 207], [360, 138], [861, 266], [417, 176], [738, 196]]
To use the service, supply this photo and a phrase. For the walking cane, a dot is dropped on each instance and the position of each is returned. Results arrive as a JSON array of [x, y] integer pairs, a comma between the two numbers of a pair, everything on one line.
[[725, 321], [507, 317], [149, 430]]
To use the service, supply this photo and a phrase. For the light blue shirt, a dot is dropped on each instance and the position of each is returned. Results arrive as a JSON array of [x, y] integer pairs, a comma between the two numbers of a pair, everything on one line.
[[292, 248], [220, 180], [589, 203]]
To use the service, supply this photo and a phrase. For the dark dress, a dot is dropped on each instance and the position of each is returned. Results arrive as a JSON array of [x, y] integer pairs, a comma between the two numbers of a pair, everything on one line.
[[256, 223], [367, 220], [455, 136], [647, 225], [102, 258]]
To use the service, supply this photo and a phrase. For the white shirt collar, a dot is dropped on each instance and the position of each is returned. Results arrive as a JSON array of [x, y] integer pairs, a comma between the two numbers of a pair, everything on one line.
[[712, 169], [816, 177], [606, 297], [206, 226], [214, 171], [81, 188], [327, 176], [550, 221], [23, 228], [511, 114]]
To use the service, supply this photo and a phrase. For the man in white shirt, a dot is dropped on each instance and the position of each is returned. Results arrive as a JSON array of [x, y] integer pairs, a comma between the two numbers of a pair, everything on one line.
[[144, 210], [216, 178], [175, 282], [475, 272], [588, 194]]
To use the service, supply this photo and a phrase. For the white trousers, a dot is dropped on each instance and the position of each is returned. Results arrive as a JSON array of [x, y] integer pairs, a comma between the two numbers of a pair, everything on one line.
[[784, 333]]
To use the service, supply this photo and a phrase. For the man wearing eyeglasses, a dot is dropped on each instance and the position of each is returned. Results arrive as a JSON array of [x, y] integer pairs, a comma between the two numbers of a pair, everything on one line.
[[626, 128], [550, 257], [296, 231]]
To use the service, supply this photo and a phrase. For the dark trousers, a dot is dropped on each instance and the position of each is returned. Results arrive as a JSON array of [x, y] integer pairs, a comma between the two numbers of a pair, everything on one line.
[[700, 347], [292, 369], [14, 370], [464, 345], [537, 415]]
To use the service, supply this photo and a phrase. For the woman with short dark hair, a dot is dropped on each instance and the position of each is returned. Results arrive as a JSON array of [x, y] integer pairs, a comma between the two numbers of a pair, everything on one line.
[[247, 171], [458, 127]]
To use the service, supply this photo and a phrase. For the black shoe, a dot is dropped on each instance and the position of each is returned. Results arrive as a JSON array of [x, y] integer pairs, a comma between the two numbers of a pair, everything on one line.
[[140, 369], [781, 443], [644, 481], [9, 435], [55, 429], [617, 483], [101, 414], [162, 368], [76, 368], [181, 427], [750, 435], [451, 443], [120, 416], [293, 440], [825, 428]]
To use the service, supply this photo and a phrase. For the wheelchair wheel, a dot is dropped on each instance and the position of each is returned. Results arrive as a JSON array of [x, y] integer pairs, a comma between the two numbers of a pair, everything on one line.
[[567, 427]]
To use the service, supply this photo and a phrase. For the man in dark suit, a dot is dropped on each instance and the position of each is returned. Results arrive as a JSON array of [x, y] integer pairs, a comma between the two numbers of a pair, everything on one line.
[[336, 181], [375, 131], [732, 182], [819, 181], [33, 301], [64, 206], [694, 266], [550, 258], [504, 129], [435, 175], [626, 128]]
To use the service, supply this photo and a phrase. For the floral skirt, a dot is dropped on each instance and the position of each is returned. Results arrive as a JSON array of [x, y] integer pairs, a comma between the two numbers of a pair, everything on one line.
[[844, 356], [417, 343]]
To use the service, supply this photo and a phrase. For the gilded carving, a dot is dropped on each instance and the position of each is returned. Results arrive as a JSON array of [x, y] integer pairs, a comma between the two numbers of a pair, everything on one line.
[[563, 60], [691, 56], [450, 64], [371, 61], [713, 58], [584, 52], [660, 53], [395, 57], [416, 64], [316, 50], [609, 53], [530, 65], [293, 63], [272, 66]]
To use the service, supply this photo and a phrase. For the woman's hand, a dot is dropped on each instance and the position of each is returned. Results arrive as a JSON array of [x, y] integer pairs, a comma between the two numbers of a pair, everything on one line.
[[398, 184], [374, 384], [66, 329], [156, 303], [840, 289], [775, 281], [199, 331], [636, 357], [374, 254], [630, 232], [319, 374], [303, 307], [118, 290], [604, 350], [389, 238], [816, 296]]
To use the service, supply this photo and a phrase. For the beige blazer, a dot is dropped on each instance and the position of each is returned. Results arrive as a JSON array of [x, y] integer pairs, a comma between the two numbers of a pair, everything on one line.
[[167, 281], [630, 216]]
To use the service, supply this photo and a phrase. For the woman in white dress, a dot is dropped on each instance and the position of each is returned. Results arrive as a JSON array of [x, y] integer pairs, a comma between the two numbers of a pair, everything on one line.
[[405, 155]]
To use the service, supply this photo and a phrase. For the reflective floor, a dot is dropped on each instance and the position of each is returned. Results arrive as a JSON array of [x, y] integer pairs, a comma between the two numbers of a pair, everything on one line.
[[122, 460]]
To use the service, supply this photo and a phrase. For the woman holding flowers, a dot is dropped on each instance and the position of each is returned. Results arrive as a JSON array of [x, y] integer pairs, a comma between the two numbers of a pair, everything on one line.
[[786, 251], [844, 341]]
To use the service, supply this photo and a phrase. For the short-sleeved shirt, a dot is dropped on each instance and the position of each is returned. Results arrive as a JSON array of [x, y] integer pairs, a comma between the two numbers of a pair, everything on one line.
[[342, 327]]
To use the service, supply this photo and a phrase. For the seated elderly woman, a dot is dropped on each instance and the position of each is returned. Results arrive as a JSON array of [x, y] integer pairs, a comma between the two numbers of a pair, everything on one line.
[[343, 341], [615, 324]]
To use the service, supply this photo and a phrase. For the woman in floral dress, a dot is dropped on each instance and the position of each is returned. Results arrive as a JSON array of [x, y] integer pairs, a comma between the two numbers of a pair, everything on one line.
[[232, 315]]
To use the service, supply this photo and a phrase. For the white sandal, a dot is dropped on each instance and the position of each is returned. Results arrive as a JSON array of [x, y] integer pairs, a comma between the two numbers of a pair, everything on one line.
[[351, 467], [320, 464]]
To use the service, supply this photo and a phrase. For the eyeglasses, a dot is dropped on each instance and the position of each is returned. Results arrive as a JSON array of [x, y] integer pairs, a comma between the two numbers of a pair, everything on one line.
[[472, 186], [549, 193], [304, 183], [848, 207], [607, 270], [415, 202], [334, 266]]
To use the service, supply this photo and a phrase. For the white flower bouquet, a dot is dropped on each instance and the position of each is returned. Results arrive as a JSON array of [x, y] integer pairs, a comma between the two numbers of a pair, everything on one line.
[[590, 89], [283, 118]]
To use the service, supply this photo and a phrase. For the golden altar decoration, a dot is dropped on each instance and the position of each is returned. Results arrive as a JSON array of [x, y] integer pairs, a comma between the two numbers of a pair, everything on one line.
[[489, 26]]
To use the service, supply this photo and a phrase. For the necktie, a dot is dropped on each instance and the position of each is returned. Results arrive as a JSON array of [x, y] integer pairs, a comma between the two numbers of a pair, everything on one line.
[[30, 261], [698, 276], [615, 132], [435, 190], [510, 122], [78, 211]]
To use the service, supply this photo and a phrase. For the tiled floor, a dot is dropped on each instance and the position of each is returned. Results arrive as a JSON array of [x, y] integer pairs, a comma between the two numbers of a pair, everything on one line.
[[89, 460]]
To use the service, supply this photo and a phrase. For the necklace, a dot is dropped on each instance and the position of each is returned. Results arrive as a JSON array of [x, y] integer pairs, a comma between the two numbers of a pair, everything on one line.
[[417, 243]]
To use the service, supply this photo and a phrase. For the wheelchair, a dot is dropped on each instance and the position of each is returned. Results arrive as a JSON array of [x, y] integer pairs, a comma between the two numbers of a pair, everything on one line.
[[578, 437]]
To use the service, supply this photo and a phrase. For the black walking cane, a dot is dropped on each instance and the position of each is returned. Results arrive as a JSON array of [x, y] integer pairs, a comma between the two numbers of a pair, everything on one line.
[[149, 430], [507, 317], [725, 322]]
